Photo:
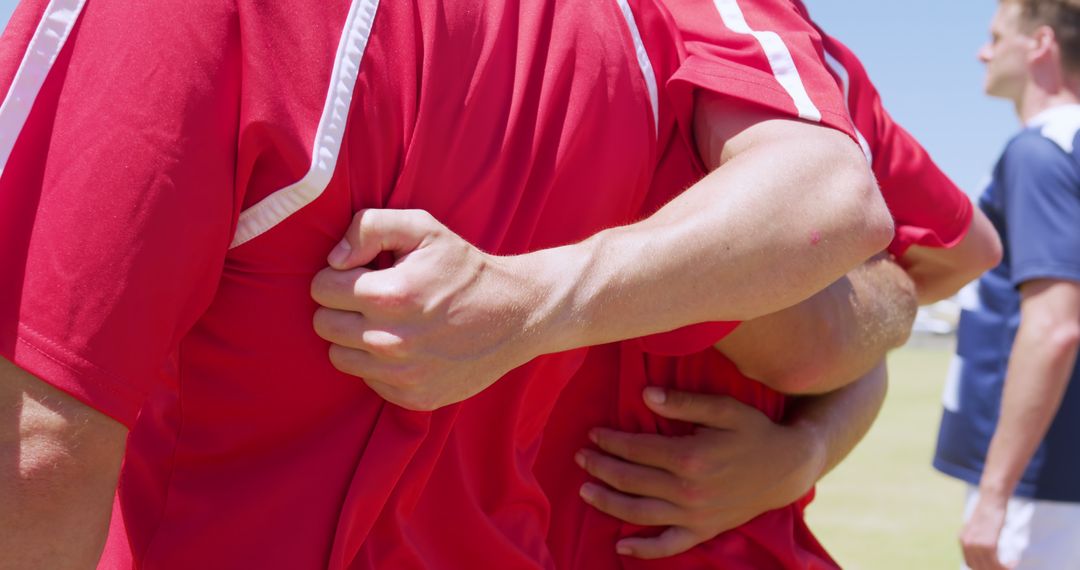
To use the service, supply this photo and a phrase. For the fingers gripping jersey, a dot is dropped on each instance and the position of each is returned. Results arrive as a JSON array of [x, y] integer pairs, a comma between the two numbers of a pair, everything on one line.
[[770, 54], [174, 173]]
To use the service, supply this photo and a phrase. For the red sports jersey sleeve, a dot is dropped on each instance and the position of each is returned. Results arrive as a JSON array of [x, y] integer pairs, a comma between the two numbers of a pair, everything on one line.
[[761, 53], [164, 126], [764, 54], [117, 193], [928, 208]]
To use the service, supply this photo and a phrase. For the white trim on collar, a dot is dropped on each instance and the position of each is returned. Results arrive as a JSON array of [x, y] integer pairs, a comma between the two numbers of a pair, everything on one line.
[[1059, 124]]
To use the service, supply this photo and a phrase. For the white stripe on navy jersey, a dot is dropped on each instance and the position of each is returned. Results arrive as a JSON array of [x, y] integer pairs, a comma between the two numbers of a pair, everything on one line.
[[1059, 124]]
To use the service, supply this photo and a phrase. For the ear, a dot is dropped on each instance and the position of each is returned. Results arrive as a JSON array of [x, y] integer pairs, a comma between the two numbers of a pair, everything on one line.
[[1044, 45]]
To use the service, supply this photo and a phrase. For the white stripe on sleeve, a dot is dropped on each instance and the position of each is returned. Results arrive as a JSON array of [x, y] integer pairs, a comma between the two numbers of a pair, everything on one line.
[[780, 59], [45, 45]]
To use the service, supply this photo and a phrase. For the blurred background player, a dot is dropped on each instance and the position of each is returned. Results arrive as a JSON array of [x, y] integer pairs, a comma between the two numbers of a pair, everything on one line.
[[1012, 402]]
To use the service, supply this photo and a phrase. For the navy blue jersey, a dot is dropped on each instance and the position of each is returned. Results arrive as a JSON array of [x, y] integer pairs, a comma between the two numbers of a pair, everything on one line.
[[1034, 202]]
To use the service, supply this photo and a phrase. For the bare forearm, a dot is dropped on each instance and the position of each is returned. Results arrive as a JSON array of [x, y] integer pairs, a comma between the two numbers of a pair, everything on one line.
[[940, 273], [1040, 366], [832, 338], [755, 236], [59, 463], [839, 420]]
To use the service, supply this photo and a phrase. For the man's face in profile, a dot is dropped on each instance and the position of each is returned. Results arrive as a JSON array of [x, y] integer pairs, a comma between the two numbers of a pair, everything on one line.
[[1005, 55]]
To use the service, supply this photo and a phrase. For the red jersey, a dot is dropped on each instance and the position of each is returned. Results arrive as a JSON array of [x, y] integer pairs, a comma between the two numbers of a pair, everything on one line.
[[928, 209], [173, 174]]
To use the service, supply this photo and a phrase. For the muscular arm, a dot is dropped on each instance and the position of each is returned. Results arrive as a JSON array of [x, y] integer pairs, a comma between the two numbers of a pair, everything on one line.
[[939, 273], [59, 463], [840, 419], [832, 338], [1040, 365], [840, 332], [757, 235]]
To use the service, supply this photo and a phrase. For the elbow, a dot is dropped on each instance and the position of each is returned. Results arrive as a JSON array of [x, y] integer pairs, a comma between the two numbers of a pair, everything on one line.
[[991, 250], [993, 253], [805, 383], [985, 250], [906, 310], [816, 371], [862, 211], [1063, 338], [877, 228], [803, 379], [50, 452]]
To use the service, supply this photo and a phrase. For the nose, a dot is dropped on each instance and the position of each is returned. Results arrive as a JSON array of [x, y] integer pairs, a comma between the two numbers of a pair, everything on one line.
[[984, 53]]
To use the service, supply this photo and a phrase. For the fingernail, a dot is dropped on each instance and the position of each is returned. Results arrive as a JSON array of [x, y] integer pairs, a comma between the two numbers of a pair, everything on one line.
[[593, 437], [579, 458], [655, 395], [588, 492], [340, 254], [623, 550]]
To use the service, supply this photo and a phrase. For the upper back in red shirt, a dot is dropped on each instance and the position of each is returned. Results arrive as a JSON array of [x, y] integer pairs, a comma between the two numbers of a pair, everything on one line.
[[220, 161]]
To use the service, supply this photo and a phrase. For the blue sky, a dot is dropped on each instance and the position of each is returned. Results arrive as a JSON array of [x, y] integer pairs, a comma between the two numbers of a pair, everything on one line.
[[921, 55]]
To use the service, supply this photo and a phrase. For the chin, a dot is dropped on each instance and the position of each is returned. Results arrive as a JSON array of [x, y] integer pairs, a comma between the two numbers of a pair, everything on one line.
[[995, 90]]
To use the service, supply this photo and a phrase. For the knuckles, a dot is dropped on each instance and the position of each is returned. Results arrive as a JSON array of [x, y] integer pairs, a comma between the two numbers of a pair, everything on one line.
[[325, 284], [395, 297], [388, 345], [343, 359], [329, 325], [692, 493], [418, 402], [688, 463], [615, 476], [635, 511]]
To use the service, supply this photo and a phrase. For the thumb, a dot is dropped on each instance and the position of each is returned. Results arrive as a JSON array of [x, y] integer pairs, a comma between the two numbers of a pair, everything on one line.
[[710, 410], [375, 231]]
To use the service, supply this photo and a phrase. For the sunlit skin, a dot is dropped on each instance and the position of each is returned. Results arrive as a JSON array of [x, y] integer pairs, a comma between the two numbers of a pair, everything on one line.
[[1005, 55]]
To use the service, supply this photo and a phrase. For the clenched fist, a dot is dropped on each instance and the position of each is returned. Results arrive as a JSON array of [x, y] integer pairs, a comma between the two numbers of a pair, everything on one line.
[[443, 323]]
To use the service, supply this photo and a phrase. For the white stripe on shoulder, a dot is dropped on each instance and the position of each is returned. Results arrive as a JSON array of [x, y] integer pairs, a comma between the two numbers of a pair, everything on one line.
[[1059, 124], [845, 80], [780, 59], [643, 61], [275, 208], [46, 44]]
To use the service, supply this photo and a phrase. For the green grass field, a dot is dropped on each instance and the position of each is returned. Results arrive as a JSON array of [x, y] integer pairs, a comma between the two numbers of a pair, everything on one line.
[[885, 508]]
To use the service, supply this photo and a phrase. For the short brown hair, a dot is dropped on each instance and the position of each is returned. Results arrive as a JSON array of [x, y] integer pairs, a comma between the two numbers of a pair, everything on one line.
[[1062, 16]]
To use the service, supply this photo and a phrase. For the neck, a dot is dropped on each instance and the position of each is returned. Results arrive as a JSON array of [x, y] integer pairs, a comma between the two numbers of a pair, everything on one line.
[[1037, 98]]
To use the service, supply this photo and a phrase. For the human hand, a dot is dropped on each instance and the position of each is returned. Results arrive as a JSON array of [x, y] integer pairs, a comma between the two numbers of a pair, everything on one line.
[[443, 323], [980, 535], [736, 465]]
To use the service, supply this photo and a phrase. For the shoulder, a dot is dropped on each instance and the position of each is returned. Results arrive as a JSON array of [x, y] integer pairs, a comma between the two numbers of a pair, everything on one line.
[[1049, 137], [1031, 145], [1060, 126], [1031, 156]]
